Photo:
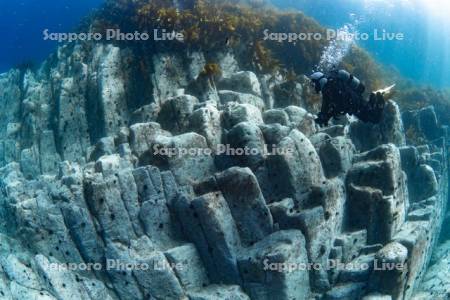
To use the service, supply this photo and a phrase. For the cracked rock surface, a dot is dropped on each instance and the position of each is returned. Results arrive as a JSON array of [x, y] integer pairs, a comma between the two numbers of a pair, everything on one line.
[[97, 200]]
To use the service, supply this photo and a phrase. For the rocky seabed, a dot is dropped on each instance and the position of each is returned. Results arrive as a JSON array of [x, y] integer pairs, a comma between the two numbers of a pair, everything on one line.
[[90, 211]]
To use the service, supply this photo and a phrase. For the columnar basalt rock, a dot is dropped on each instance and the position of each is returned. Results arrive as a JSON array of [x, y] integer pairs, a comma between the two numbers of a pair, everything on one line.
[[175, 113], [390, 281], [95, 174], [297, 168], [236, 113], [243, 82], [337, 156], [248, 136], [262, 271], [377, 185], [425, 122], [206, 121], [241, 98], [210, 225], [247, 204], [366, 136]]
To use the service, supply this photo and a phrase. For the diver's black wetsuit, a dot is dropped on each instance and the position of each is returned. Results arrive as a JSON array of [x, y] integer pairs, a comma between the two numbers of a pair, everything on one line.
[[342, 94]]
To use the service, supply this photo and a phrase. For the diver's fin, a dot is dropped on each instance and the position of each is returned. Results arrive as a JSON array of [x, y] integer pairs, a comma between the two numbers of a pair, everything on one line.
[[386, 91]]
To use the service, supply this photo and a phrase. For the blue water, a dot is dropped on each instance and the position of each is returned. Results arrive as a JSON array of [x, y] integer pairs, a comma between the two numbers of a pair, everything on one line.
[[23, 21], [423, 55]]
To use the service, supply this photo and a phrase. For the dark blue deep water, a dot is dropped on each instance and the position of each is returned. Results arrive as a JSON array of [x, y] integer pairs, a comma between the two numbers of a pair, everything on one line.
[[423, 55], [22, 23]]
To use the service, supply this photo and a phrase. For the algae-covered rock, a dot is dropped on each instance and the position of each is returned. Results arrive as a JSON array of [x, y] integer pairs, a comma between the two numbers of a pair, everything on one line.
[[111, 186]]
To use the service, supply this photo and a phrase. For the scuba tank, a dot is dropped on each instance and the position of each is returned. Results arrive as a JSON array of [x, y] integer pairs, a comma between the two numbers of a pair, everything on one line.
[[320, 80], [353, 82]]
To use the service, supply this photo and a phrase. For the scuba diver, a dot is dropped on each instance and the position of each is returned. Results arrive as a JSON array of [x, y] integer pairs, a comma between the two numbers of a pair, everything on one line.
[[342, 93]]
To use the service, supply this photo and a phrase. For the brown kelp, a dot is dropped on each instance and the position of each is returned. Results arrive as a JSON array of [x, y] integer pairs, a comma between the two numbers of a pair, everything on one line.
[[238, 26]]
